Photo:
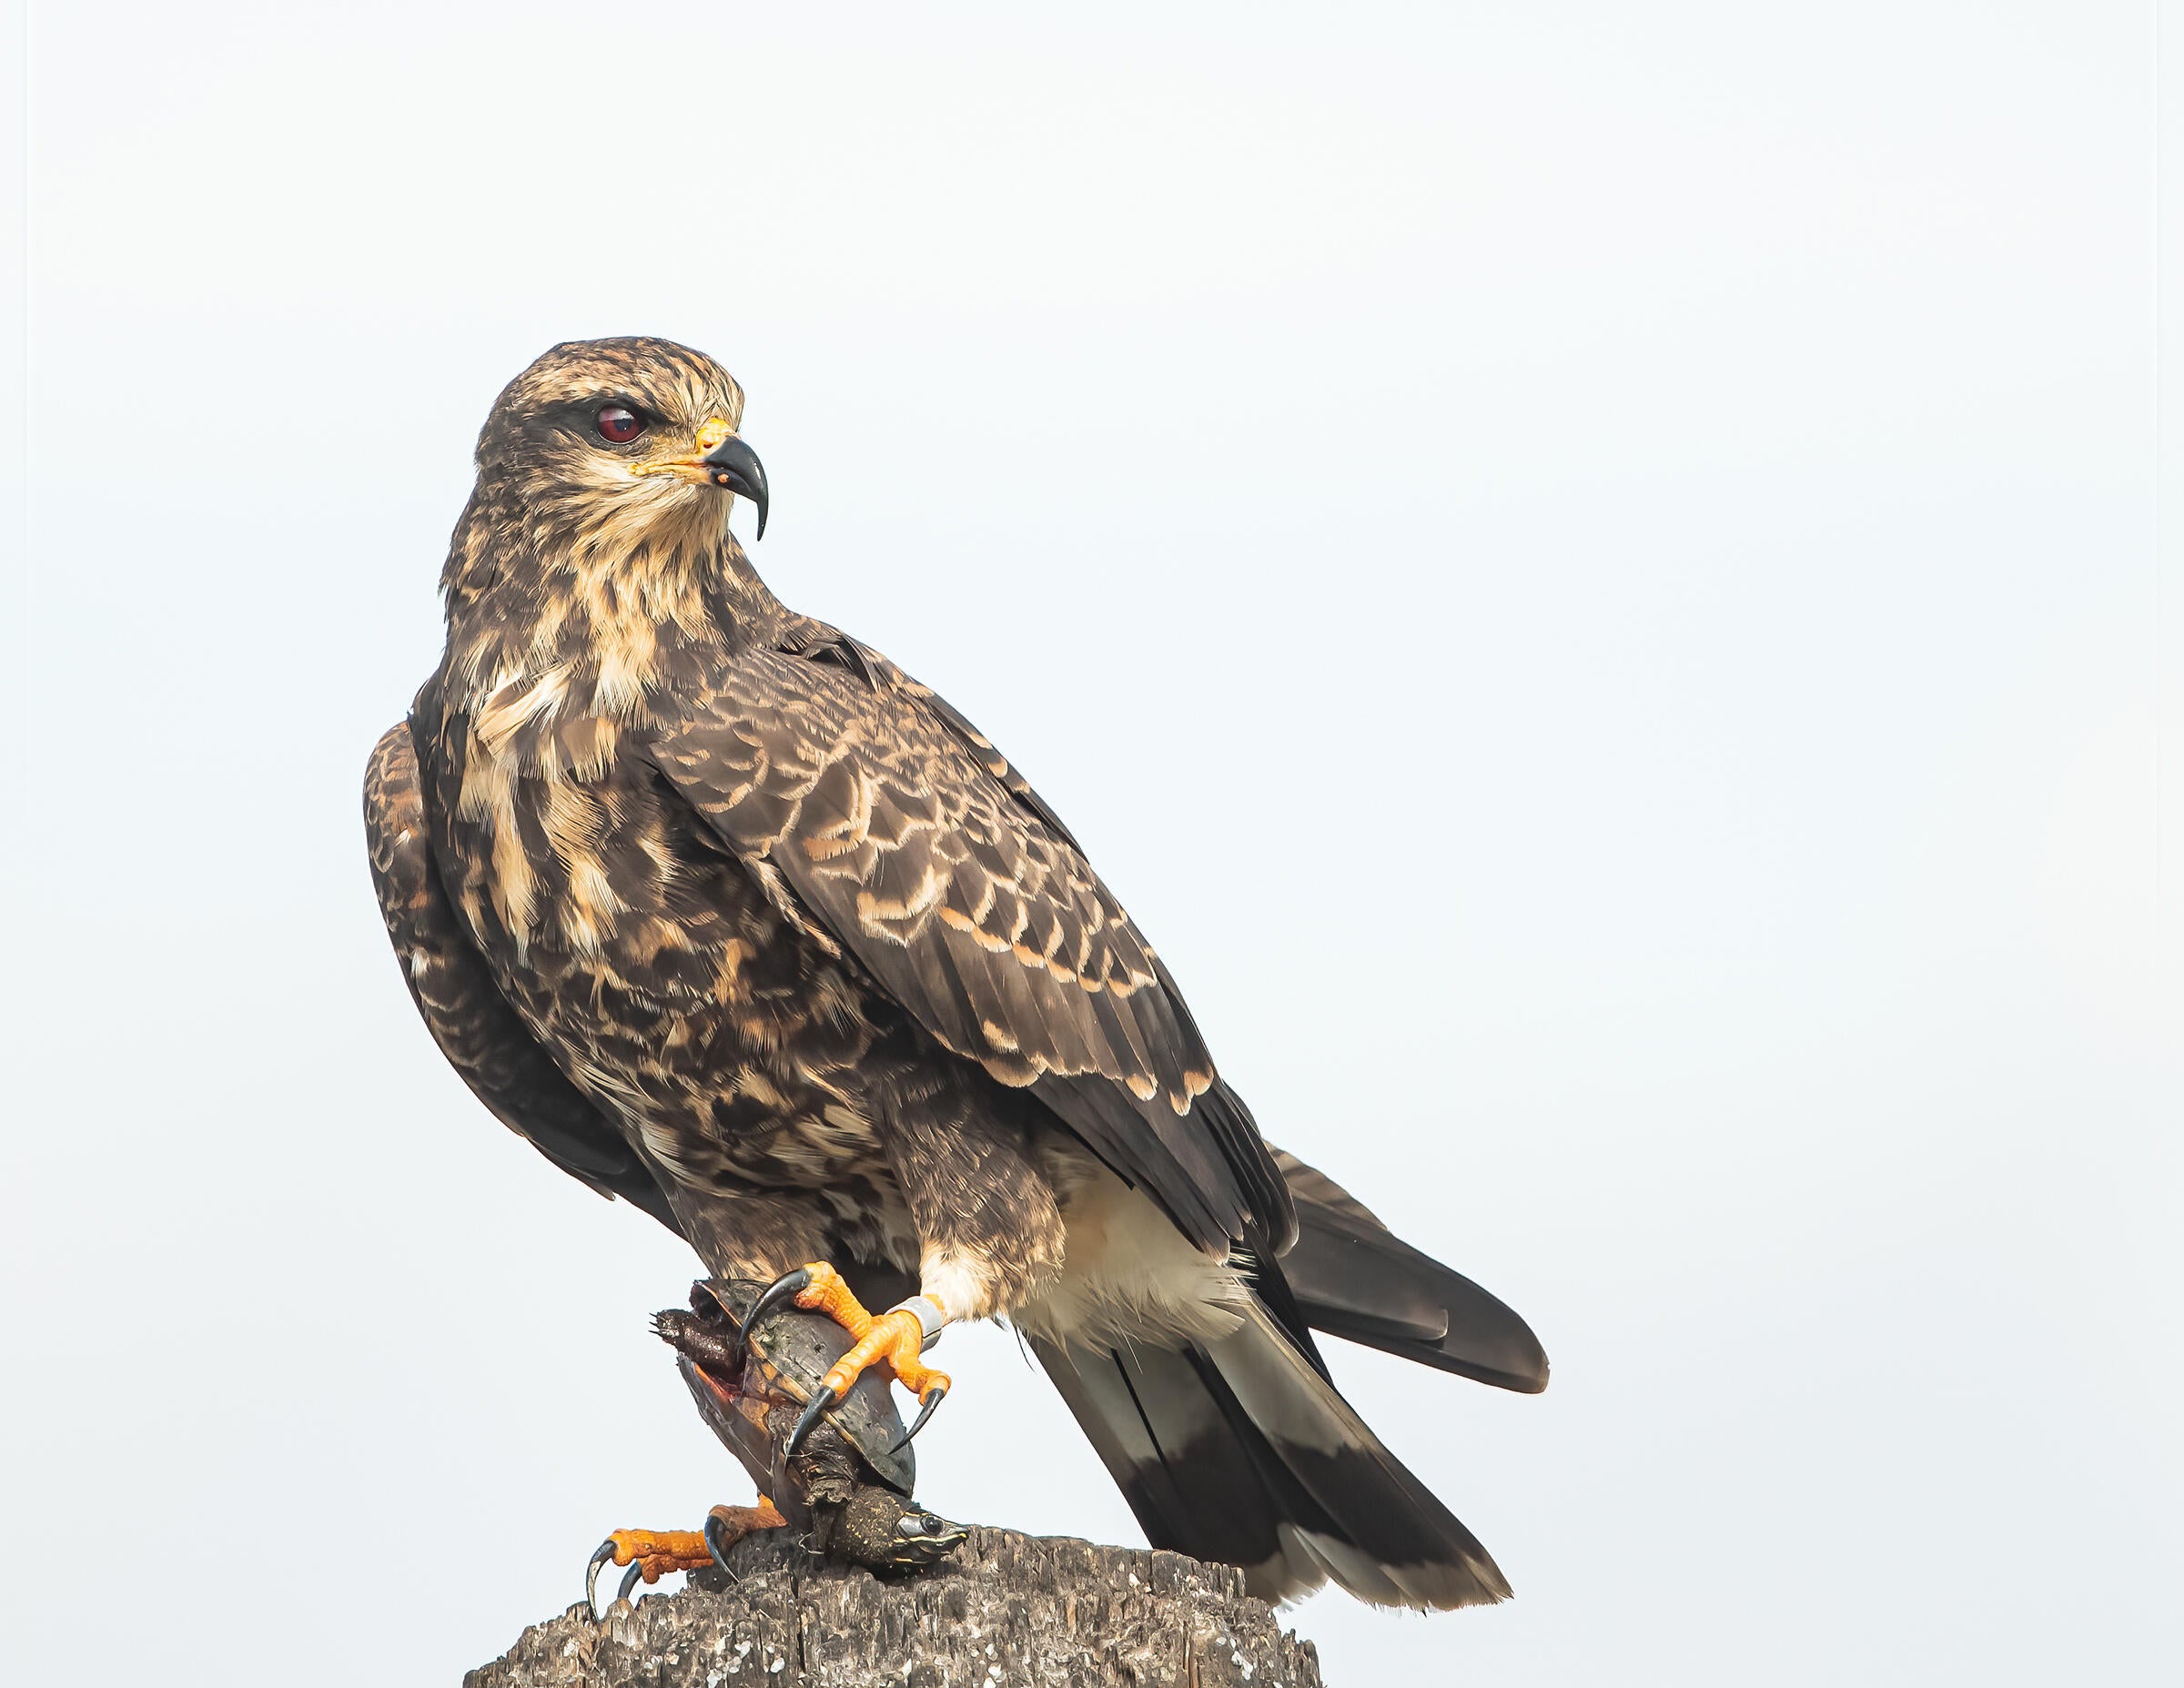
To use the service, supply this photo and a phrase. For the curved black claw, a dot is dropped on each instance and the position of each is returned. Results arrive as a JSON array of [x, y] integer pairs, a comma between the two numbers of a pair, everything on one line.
[[629, 1580], [810, 1416], [718, 1542], [600, 1561], [781, 1292], [923, 1538], [926, 1409]]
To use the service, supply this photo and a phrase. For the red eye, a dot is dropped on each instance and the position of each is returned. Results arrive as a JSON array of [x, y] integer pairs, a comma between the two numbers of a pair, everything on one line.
[[618, 424]]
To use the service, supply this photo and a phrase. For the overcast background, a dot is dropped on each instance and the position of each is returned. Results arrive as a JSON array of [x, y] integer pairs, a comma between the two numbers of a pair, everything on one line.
[[1648, 512]]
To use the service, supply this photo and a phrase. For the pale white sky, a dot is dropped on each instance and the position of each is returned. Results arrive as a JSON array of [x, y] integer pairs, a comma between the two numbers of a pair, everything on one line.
[[1655, 501]]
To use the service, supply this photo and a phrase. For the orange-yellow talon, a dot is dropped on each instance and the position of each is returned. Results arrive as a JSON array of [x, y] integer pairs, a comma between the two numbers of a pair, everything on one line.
[[738, 1522], [655, 1552], [897, 1338], [826, 1293]]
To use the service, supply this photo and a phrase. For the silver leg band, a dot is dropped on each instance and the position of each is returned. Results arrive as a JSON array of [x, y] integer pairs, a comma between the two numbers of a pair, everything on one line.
[[930, 1319]]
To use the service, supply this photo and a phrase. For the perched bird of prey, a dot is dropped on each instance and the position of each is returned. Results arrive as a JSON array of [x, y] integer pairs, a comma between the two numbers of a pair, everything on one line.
[[733, 919]]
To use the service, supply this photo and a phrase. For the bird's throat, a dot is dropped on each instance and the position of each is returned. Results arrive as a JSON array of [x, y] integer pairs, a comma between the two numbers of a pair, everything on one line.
[[549, 622]]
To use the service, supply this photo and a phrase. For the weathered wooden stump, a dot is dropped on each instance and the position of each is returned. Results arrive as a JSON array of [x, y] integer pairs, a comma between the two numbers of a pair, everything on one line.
[[1005, 1611]]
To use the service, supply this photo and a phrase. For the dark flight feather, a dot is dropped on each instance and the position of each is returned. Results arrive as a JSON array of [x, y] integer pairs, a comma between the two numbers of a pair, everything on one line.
[[1354, 1277], [1239, 1451]]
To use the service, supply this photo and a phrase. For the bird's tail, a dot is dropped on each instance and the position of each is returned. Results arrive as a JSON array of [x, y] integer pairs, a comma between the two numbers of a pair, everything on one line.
[[1354, 1277], [1239, 1451]]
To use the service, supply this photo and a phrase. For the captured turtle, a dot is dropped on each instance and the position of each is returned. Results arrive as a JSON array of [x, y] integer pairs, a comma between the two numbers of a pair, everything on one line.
[[842, 1477]]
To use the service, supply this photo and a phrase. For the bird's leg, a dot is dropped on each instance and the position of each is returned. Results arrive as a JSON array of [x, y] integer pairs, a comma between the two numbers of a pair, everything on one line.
[[971, 1264], [651, 1554], [899, 1336]]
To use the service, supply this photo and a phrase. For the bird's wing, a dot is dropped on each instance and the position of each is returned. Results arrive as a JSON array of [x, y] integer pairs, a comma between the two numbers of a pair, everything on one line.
[[473, 1023], [879, 818]]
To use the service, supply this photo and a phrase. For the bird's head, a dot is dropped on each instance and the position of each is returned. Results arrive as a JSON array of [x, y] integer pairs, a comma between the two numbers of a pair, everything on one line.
[[621, 437]]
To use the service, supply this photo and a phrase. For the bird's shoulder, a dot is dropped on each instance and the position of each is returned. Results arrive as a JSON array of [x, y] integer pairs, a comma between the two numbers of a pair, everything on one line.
[[808, 693], [818, 744]]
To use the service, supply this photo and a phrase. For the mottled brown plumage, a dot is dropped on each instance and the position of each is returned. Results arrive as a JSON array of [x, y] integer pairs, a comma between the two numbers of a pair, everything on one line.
[[733, 919]]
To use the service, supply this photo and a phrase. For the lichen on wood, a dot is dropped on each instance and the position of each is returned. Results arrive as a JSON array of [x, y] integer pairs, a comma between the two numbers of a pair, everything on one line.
[[1006, 1611]]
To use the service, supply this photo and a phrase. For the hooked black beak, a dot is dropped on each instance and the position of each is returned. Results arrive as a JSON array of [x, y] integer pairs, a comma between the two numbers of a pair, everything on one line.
[[734, 465]]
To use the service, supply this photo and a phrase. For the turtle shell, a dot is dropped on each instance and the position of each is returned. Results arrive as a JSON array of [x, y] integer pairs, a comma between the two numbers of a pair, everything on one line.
[[783, 1361]]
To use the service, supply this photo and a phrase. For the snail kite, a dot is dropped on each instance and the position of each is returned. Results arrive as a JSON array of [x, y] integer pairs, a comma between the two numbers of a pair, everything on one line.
[[733, 919]]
